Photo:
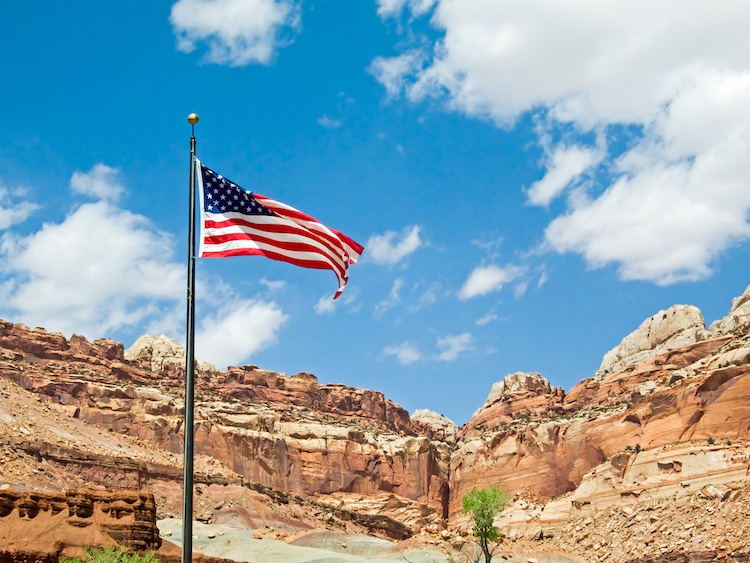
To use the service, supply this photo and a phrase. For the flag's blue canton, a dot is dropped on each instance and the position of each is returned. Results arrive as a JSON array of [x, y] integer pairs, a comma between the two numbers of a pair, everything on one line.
[[224, 196]]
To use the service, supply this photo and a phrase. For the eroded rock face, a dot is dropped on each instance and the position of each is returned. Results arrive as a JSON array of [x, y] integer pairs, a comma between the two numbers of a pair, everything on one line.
[[162, 354], [519, 395], [662, 434], [738, 317], [678, 326], [47, 525], [443, 426], [267, 430], [692, 394], [518, 383]]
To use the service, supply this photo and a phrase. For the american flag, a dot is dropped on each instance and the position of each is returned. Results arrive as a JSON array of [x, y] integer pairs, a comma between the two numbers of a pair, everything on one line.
[[237, 222]]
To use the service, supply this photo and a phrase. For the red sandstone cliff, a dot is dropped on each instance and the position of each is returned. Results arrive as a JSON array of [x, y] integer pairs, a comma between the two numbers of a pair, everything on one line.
[[665, 422], [118, 424]]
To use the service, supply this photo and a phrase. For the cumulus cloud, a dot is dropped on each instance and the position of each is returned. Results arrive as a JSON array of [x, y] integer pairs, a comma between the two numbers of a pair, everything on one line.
[[237, 32], [488, 279], [453, 346], [101, 182], [406, 353], [674, 75], [238, 330], [99, 270], [392, 247]]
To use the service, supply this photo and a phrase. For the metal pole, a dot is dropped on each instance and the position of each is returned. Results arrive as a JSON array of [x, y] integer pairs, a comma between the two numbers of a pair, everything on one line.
[[187, 480]]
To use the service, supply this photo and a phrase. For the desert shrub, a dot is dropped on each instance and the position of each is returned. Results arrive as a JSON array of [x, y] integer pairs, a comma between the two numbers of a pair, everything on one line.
[[110, 555]]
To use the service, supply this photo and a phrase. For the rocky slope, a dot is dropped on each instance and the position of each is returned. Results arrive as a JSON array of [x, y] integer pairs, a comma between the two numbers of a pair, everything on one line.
[[320, 454], [658, 438]]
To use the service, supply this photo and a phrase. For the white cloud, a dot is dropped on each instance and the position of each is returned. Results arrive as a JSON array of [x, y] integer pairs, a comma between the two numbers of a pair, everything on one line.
[[520, 288], [325, 305], [392, 72], [348, 300], [102, 268], [486, 319], [393, 299], [429, 296], [684, 194], [406, 353], [588, 62], [273, 285], [453, 346], [543, 277], [238, 330], [487, 279], [393, 8], [12, 213], [565, 165], [237, 32], [388, 249], [676, 74], [101, 182], [329, 122]]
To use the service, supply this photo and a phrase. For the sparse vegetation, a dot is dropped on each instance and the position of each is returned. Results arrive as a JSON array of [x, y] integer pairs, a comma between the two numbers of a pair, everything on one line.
[[110, 555]]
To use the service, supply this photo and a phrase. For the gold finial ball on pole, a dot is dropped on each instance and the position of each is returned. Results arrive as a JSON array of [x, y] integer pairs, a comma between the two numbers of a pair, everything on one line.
[[193, 118]]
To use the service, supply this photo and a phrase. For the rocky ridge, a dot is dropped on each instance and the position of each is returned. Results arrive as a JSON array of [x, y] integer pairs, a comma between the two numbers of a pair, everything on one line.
[[680, 325], [658, 441]]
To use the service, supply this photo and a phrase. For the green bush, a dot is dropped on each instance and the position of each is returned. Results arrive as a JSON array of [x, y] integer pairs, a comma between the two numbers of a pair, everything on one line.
[[110, 555]]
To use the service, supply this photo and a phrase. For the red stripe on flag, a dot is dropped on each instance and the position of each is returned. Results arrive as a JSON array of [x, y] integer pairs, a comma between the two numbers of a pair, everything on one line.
[[288, 235]]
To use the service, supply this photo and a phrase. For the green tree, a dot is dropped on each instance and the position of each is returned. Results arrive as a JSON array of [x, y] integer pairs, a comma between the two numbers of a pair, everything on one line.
[[483, 505]]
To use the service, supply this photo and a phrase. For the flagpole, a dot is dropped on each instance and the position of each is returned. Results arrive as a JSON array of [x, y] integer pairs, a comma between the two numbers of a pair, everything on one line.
[[187, 480]]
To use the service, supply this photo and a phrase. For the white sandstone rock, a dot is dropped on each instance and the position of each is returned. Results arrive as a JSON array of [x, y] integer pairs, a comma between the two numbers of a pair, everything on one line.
[[738, 315], [162, 350], [516, 383], [678, 326]]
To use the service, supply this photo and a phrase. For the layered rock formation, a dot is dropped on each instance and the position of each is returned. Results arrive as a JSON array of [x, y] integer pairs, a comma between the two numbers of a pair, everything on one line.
[[44, 526], [278, 434], [662, 430], [673, 428]]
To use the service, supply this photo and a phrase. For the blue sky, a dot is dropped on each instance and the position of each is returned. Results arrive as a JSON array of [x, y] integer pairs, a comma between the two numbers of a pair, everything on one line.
[[530, 180]]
